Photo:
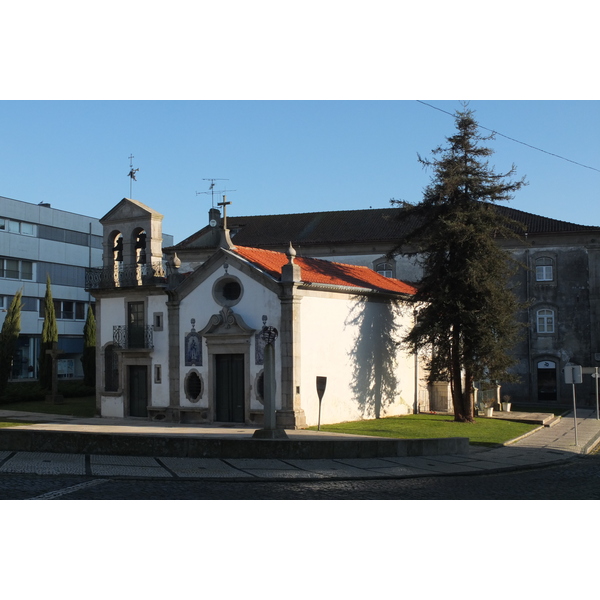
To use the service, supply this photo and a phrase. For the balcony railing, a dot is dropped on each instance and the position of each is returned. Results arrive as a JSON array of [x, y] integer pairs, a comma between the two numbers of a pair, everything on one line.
[[133, 338], [121, 275]]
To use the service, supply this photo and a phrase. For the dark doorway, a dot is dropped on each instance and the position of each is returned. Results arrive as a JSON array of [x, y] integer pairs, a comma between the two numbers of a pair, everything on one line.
[[546, 381], [138, 391], [229, 394]]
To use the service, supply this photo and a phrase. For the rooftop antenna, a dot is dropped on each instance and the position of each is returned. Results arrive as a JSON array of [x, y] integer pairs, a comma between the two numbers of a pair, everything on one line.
[[131, 174], [211, 189]]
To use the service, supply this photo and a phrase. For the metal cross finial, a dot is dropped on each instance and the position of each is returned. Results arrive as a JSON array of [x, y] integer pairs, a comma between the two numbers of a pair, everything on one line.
[[224, 205]]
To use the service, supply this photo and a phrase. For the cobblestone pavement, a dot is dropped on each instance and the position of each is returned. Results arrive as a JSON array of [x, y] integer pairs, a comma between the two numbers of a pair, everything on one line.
[[578, 479]]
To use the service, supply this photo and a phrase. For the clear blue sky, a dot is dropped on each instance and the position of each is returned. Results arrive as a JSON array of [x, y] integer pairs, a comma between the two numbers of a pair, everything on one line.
[[284, 156]]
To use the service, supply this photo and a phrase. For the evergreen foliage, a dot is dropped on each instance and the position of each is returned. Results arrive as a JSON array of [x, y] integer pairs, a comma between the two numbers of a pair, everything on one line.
[[88, 360], [8, 338], [49, 336], [466, 311]]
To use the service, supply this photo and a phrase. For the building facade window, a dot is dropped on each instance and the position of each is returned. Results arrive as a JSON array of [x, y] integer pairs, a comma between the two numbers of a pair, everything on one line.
[[228, 291], [17, 227], [68, 310], [385, 269], [545, 321], [384, 266], [544, 269], [111, 369], [12, 268], [193, 386]]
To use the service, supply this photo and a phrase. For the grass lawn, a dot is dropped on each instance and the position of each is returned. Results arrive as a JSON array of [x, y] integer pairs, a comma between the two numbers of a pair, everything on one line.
[[76, 407], [483, 432]]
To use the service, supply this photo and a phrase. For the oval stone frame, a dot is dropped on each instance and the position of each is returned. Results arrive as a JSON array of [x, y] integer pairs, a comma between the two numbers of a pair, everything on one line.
[[227, 291]]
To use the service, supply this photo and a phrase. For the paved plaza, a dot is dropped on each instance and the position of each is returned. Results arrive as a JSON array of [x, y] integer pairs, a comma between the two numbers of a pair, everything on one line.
[[544, 446]]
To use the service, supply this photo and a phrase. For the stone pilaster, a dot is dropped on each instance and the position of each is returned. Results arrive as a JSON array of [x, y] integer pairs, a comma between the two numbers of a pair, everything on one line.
[[174, 360], [291, 415]]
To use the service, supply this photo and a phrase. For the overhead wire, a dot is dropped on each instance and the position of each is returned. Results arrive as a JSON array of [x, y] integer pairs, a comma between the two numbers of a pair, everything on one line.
[[515, 140]]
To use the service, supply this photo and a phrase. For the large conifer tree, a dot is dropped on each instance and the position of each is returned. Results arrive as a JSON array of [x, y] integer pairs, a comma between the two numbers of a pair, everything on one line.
[[8, 338], [466, 314], [49, 336]]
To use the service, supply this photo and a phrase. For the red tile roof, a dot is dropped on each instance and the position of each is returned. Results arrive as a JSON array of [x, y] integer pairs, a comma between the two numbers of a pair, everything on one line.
[[317, 271]]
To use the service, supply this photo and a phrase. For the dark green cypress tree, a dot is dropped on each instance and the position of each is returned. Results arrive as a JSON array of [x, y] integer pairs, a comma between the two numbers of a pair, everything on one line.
[[466, 313], [88, 360], [49, 336], [8, 339]]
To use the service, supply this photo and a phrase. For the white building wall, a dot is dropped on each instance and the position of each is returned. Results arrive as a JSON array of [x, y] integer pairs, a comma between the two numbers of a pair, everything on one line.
[[200, 305], [330, 348], [159, 393]]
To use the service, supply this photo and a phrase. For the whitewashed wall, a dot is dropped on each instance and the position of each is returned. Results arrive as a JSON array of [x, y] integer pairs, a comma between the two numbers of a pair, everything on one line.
[[329, 348], [200, 305], [159, 392]]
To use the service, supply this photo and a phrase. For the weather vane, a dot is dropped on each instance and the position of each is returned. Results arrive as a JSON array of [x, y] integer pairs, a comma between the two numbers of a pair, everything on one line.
[[131, 174]]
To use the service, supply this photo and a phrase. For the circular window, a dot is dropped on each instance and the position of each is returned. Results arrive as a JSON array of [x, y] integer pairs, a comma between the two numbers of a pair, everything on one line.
[[227, 291], [193, 387]]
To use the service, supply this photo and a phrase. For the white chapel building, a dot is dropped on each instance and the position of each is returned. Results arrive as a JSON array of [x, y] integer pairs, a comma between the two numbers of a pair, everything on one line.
[[183, 344]]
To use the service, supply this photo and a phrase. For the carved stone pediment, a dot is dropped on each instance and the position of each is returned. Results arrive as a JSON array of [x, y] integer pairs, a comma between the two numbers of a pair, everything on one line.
[[226, 322]]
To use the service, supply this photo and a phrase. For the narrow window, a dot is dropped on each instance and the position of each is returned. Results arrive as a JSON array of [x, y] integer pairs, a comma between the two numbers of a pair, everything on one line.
[[544, 269], [12, 268], [545, 321], [27, 229], [111, 369], [157, 374], [26, 270], [80, 311]]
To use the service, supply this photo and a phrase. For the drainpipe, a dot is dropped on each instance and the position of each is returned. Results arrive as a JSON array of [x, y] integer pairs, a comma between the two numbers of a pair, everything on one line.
[[527, 298], [416, 400]]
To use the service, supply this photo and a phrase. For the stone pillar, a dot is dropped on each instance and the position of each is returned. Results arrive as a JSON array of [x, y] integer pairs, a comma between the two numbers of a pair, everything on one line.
[[270, 430], [291, 415], [174, 359]]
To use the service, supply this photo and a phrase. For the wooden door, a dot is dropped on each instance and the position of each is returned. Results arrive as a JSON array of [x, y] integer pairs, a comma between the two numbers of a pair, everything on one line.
[[138, 391], [229, 391]]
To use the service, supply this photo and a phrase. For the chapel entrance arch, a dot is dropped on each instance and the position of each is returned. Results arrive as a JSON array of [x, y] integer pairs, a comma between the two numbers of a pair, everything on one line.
[[228, 343]]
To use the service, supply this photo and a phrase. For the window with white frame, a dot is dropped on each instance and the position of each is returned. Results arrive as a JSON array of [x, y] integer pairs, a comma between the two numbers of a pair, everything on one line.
[[17, 227], [385, 268], [544, 269], [545, 321]]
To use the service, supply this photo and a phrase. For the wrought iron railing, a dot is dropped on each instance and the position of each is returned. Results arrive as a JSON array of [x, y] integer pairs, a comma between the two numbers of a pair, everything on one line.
[[133, 338], [121, 275]]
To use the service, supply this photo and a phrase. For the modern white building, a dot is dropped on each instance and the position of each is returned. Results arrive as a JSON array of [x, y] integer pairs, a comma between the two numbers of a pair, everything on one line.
[[37, 241]]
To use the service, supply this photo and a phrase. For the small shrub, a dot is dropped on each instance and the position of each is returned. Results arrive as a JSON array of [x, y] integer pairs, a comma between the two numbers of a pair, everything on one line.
[[29, 391]]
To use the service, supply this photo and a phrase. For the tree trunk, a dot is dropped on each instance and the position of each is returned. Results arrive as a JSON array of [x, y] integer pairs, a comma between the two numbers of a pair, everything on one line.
[[456, 375]]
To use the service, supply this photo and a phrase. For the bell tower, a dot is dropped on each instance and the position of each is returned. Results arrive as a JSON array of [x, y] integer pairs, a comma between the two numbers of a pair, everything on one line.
[[132, 236]]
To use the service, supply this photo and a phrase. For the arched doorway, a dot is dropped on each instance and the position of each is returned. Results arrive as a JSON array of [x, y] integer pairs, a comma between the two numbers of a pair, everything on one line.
[[547, 381]]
